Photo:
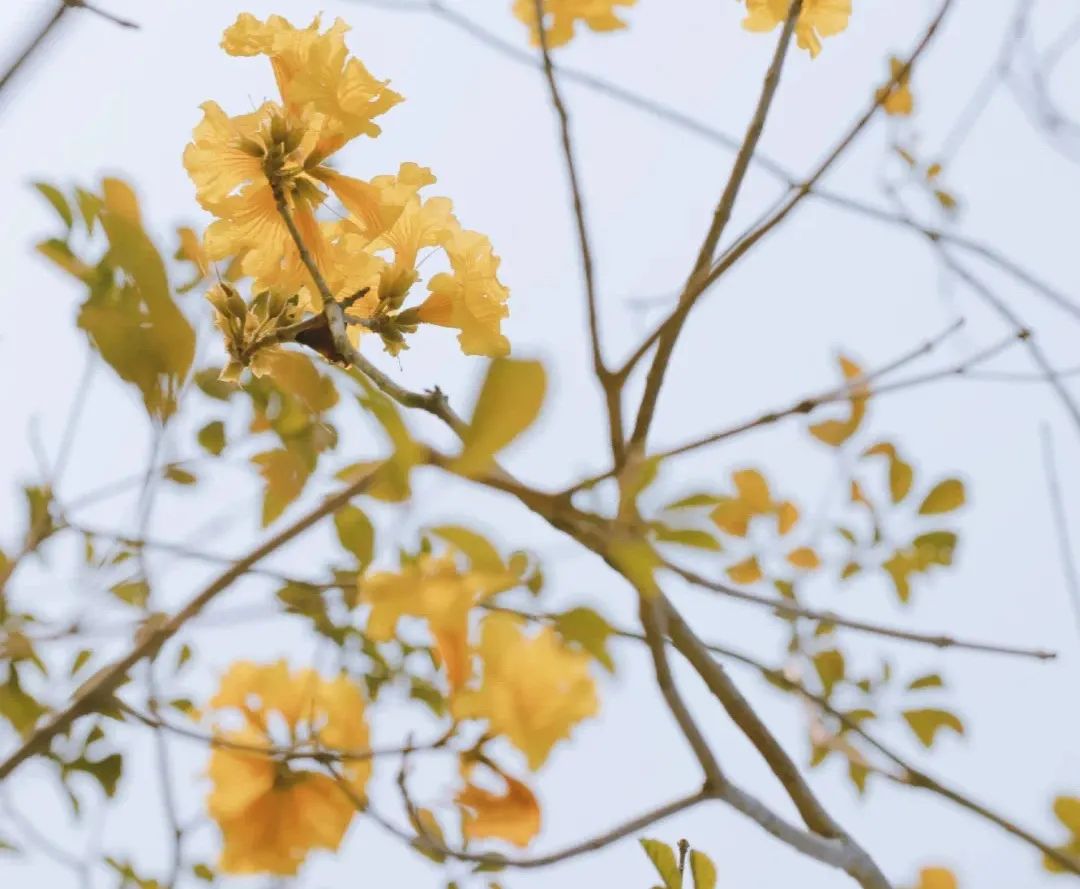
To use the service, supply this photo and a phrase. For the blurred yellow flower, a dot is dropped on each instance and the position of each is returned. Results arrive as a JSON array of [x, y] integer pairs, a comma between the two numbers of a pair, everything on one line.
[[271, 813], [561, 16], [534, 689], [819, 18], [470, 298], [432, 588]]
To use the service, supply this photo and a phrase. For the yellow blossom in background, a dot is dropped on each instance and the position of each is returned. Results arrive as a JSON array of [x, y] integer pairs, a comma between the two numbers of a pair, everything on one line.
[[513, 815], [819, 18], [470, 298], [432, 588], [272, 813], [897, 99], [936, 878], [534, 689], [561, 16]]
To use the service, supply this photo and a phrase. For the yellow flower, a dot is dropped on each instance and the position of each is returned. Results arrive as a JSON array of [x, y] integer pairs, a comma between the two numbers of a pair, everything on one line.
[[897, 99], [513, 816], [562, 15], [819, 18], [470, 298], [534, 690], [271, 813], [314, 71], [432, 588]]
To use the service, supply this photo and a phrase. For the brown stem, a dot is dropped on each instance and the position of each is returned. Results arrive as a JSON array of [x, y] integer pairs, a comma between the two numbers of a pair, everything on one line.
[[721, 217]]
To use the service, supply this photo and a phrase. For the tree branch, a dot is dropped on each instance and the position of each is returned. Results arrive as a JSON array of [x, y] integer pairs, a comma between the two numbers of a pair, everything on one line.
[[721, 217], [789, 609], [99, 689]]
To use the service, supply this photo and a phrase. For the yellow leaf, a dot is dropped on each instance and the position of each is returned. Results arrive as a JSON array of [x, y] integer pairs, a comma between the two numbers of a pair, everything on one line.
[[945, 497], [787, 514], [804, 557], [509, 402], [513, 816], [836, 432], [745, 572], [753, 490], [732, 516], [285, 473], [663, 859], [534, 689], [703, 869]]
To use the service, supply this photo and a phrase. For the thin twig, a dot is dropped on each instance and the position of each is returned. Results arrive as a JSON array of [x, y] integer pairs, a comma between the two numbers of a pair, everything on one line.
[[721, 216], [47, 27], [785, 608], [1061, 523], [738, 250]]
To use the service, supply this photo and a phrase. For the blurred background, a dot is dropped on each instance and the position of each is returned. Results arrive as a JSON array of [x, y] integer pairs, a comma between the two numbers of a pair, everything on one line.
[[102, 100]]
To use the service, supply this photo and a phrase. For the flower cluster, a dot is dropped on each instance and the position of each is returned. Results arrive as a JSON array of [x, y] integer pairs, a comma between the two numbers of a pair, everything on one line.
[[271, 811], [266, 178]]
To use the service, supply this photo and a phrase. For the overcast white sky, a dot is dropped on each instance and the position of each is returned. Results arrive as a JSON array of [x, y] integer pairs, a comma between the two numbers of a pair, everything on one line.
[[102, 100]]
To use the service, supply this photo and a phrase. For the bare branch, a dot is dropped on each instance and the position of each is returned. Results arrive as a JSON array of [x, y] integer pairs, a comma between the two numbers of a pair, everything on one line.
[[721, 216], [789, 609]]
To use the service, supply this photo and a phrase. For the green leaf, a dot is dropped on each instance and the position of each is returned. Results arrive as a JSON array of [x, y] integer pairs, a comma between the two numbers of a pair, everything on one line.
[[685, 537], [138, 328], [90, 207], [927, 723], [945, 497], [210, 382], [830, 668], [509, 402], [105, 771], [58, 201], [180, 476], [930, 680], [663, 859], [584, 627], [479, 551], [17, 707], [133, 592], [203, 872], [356, 533], [211, 437], [79, 661], [695, 501], [703, 869]]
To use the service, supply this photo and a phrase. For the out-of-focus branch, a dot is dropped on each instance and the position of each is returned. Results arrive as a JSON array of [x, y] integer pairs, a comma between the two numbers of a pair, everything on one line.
[[48, 26], [1061, 523], [99, 689]]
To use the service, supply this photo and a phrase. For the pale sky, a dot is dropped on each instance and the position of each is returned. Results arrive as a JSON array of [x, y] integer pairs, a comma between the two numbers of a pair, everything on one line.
[[101, 100]]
